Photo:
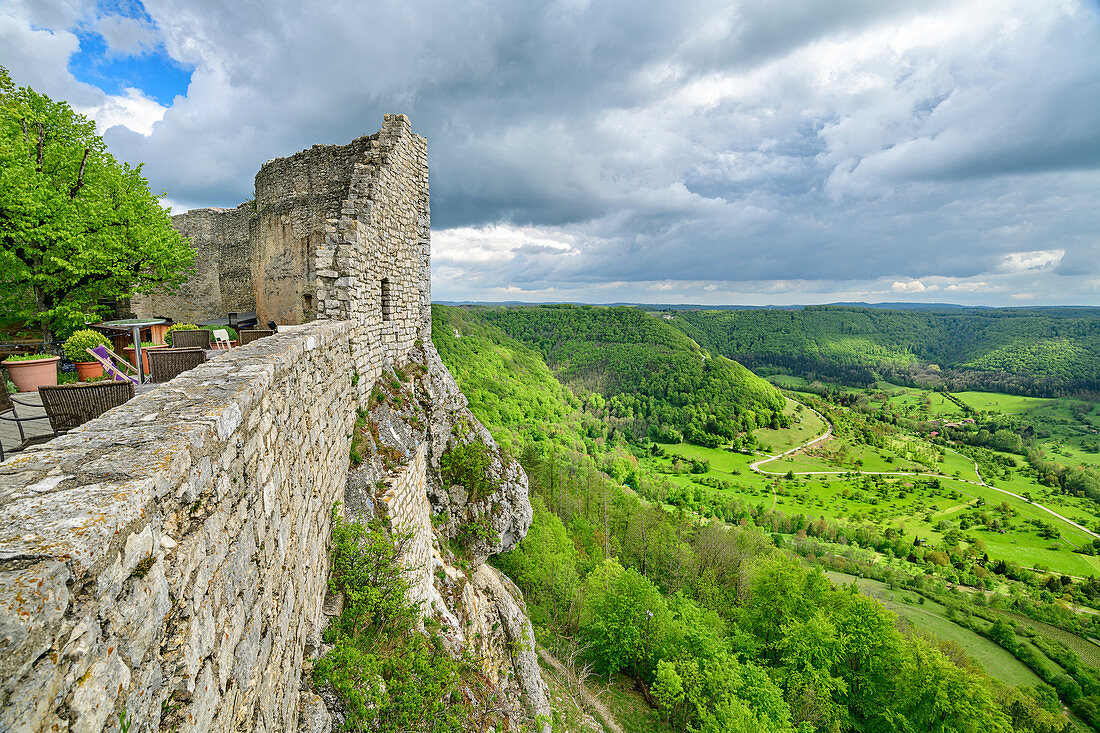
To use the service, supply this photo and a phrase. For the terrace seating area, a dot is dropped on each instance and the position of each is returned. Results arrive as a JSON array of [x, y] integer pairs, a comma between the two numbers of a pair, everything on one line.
[[30, 418], [36, 416]]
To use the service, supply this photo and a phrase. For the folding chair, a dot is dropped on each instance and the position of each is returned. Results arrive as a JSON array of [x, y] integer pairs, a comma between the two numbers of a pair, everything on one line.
[[104, 356]]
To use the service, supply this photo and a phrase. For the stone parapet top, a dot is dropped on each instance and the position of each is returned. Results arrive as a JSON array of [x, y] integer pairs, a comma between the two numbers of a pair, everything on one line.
[[70, 499]]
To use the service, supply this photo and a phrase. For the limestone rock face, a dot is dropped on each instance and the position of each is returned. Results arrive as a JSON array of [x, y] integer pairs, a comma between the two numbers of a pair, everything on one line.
[[415, 438], [506, 508]]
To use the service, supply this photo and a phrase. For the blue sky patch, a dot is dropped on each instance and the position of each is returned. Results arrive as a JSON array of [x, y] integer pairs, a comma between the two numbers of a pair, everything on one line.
[[151, 70]]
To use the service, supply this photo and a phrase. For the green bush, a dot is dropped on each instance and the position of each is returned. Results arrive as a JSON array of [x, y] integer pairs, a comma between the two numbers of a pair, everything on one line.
[[178, 327], [468, 465], [232, 331], [76, 346], [389, 676]]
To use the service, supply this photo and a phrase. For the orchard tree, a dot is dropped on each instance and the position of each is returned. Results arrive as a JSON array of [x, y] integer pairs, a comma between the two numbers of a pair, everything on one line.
[[75, 224]]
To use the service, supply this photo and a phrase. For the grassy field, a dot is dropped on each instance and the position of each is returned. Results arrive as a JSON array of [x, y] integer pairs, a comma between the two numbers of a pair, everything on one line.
[[912, 400], [908, 503], [1004, 403], [805, 425], [932, 618], [916, 504]]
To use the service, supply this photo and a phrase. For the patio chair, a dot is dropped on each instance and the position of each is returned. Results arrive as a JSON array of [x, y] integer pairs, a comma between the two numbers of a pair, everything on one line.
[[71, 405], [188, 339], [108, 359], [8, 414], [248, 336], [166, 364], [221, 339]]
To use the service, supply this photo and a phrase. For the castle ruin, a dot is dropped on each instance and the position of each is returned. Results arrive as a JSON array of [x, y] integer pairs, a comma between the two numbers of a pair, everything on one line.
[[167, 562]]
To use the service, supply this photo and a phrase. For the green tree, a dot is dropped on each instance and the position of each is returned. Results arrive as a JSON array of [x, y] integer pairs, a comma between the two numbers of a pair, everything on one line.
[[75, 224], [624, 619]]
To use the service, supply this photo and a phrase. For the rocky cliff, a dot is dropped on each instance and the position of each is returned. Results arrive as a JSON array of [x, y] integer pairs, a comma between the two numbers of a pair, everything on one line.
[[435, 475]]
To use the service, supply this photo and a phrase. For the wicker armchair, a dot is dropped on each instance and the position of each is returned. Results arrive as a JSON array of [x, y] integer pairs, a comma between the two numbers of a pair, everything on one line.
[[71, 405], [199, 339], [166, 364], [248, 337], [8, 414]]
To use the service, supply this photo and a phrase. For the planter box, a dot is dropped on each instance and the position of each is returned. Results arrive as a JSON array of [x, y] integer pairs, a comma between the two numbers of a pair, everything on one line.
[[30, 375], [131, 357]]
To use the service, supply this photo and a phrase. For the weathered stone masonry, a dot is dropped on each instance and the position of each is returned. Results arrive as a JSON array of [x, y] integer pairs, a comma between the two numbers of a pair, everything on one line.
[[167, 561], [336, 231], [223, 267]]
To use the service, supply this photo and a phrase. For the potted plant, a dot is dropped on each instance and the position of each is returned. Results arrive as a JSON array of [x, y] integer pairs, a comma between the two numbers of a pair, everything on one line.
[[30, 371], [76, 348], [178, 327], [131, 354]]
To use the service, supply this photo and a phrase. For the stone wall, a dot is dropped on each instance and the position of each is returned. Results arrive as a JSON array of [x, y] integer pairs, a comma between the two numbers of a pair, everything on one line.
[[375, 263], [337, 231], [222, 282], [168, 560], [405, 505], [296, 199]]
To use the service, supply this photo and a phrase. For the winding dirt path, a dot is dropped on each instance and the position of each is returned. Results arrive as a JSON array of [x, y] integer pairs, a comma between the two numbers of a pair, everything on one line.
[[756, 466], [587, 696]]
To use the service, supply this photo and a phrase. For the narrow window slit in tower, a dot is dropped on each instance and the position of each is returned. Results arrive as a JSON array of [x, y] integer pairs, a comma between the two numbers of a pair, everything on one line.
[[387, 299]]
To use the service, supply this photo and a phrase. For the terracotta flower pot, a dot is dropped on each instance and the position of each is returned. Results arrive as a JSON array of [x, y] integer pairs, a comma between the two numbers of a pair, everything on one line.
[[128, 352], [86, 370], [31, 374]]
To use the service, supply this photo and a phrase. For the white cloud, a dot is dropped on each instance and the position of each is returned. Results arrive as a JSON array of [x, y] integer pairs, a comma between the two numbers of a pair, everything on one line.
[[126, 36], [1037, 260], [969, 287], [134, 111], [911, 286], [495, 244]]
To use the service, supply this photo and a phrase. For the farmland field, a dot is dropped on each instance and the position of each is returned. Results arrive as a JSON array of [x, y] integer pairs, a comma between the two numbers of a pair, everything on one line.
[[923, 489]]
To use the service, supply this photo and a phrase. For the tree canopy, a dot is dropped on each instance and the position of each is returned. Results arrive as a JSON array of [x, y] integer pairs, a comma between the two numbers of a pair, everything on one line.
[[76, 225]]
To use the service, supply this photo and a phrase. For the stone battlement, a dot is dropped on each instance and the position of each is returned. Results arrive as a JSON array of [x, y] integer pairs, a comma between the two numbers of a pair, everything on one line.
[[168, 561]]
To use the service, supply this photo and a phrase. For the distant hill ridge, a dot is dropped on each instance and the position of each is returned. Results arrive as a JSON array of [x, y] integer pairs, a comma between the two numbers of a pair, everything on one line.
[[646, 376], [1054, 310], [1039, 351]]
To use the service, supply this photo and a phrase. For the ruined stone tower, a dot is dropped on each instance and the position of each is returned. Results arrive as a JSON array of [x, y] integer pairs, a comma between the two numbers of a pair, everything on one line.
[[338, 232]]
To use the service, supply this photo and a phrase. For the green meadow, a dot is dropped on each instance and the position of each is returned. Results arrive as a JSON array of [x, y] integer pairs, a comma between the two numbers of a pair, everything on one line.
[[845, 480]]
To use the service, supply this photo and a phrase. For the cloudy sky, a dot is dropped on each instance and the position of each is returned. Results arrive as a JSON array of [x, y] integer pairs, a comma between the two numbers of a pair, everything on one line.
[[745, 151]]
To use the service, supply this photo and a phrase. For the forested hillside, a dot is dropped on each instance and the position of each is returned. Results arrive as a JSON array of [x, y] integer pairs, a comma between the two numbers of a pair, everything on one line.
[[711, 625], [646, 377], [1048, 352], [508, 385]]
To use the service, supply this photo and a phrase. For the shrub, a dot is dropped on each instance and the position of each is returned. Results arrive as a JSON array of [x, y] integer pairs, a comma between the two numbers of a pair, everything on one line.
[[389, 676], [232, 331], [468, 465], [178, 327], [76, 346]]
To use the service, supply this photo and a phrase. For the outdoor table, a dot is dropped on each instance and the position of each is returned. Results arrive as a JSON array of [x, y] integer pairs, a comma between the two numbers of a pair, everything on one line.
[[136, 324]]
